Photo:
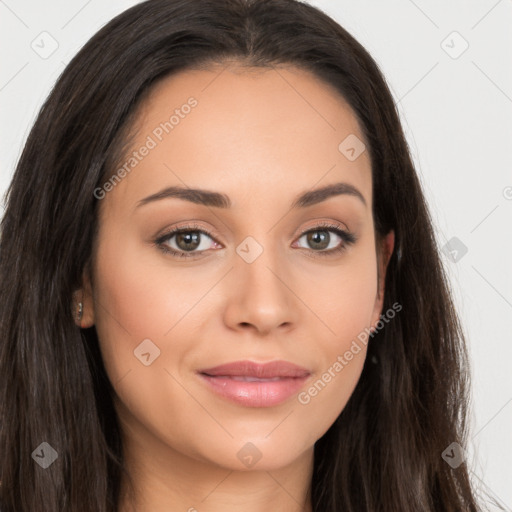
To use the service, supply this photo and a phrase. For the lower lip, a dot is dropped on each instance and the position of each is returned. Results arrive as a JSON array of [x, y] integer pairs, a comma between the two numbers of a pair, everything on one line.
[[256, 393]]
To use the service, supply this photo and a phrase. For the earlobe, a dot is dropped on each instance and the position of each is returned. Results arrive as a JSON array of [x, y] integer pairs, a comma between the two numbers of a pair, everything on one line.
[[83, 310], [78, 307]]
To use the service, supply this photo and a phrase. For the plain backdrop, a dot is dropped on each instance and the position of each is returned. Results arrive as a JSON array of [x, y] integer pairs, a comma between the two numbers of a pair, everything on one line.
[[449, 67]]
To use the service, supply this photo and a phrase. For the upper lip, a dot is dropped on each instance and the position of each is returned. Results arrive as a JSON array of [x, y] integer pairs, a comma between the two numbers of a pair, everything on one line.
[[260, 370]]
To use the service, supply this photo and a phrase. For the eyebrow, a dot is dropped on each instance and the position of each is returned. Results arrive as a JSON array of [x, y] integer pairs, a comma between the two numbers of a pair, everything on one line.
[[219, 200]]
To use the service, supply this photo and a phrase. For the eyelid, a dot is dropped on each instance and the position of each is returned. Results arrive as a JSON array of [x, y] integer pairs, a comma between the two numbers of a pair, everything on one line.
[[190, 226], [318, 224]]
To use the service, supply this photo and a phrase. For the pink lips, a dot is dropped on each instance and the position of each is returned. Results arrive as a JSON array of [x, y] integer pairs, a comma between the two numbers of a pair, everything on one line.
[[254, 384]]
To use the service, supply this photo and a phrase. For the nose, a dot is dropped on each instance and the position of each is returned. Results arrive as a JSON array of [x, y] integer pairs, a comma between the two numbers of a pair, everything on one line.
[[260, 295]]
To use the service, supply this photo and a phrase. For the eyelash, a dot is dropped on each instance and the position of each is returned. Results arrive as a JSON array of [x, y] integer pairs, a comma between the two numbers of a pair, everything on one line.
[[347, 237]]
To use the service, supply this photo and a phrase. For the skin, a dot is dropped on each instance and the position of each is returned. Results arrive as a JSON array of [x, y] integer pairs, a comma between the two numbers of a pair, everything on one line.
[[262, 137]]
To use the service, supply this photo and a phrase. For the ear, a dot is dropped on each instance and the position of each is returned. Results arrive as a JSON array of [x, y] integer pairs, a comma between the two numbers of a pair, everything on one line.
[[384, 253], [85, 296]]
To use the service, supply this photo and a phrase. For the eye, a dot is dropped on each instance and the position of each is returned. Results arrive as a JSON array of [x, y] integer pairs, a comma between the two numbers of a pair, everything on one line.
[[188, 241], [323, 243]]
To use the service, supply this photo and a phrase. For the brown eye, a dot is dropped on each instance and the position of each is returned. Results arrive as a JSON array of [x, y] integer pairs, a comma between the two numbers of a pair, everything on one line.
[[321, 241], [318, 239], [188, 241], [185, 241]]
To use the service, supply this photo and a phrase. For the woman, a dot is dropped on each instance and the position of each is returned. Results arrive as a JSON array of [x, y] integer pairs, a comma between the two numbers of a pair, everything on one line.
[[221, 288]]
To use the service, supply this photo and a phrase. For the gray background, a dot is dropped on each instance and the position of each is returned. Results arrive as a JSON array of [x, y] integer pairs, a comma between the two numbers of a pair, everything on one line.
[[456, 109]]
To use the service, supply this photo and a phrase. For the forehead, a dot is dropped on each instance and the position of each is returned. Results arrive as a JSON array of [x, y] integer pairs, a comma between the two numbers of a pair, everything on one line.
[[239, 129]]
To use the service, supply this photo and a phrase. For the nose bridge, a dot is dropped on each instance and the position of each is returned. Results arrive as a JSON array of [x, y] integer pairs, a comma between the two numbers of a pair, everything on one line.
[[260, 295], [258, 261]]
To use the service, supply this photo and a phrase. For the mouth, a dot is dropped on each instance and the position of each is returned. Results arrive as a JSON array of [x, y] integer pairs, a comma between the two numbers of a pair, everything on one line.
[[254, 384], [247, 378]]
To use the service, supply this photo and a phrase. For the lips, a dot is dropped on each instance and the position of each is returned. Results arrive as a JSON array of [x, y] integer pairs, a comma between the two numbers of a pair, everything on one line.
[[254, 384], [271, 370]]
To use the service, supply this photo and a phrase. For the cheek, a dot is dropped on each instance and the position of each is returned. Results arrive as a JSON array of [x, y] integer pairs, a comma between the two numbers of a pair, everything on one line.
[[137, 306], [345, 303], [129, 304], [139, 291], [138, 297], [344, 298]]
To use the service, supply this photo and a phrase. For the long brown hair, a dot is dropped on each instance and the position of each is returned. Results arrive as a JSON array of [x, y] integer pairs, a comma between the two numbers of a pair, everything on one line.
[[384, 451]]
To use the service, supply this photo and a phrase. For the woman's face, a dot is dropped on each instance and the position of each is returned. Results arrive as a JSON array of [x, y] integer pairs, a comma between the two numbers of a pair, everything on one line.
[[248, 283]]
